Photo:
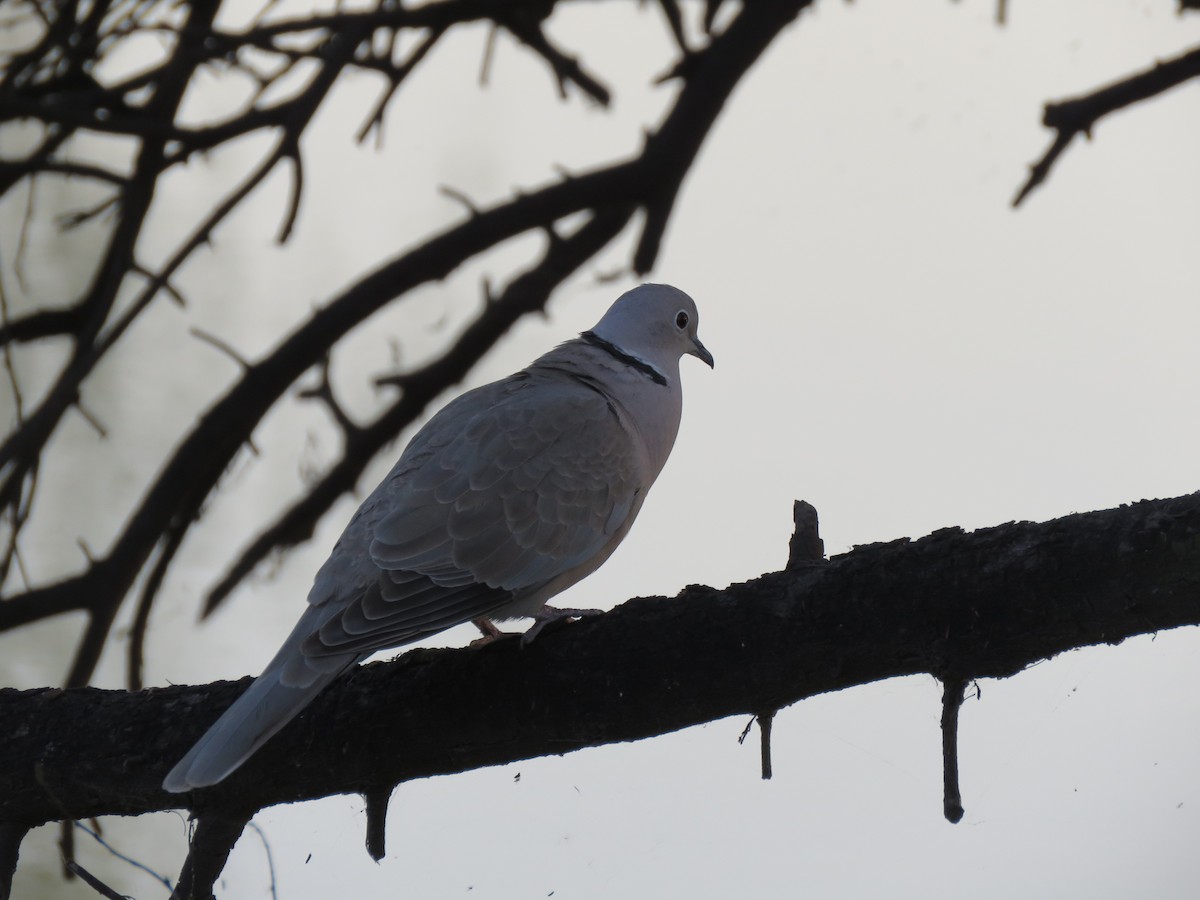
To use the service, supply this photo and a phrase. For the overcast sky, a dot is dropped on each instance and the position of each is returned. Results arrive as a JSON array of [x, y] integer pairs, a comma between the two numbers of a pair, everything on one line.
[[894, 344]]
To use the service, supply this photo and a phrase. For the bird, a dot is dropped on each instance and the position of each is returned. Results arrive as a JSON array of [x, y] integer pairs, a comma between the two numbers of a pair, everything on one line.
[[510, 494]]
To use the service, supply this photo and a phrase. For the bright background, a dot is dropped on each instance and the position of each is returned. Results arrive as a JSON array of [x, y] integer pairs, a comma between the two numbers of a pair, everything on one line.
[[894, 344]]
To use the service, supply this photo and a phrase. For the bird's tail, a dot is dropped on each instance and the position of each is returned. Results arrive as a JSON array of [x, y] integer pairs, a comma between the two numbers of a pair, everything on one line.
[[288, 684]]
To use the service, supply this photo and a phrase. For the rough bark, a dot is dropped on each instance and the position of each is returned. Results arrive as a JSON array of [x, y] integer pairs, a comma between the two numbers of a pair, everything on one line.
[[954, 604]]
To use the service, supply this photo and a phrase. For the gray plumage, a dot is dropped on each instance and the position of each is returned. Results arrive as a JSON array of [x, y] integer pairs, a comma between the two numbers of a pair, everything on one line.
[[512, 493]]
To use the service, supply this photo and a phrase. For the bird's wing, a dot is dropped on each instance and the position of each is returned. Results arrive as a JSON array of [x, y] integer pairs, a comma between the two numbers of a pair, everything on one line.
[[505, 494]]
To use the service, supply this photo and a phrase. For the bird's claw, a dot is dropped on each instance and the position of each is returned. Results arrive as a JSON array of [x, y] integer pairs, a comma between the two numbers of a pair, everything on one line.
[[491, 633], [550, 614]]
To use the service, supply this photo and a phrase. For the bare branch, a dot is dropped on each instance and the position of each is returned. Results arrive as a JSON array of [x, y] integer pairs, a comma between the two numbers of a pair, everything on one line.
[[11, 835], [216, 833], [323, 391], [291, 151], [1069, 118], [91, 419], [765, 721], [526, 27], [10, 172], [674, 17], [953, 690], [65, 596], [72, 220], [395, 78], [92, 881], [377, 806], [19, 452], [648, 667], [141, 618], [460, 198], [221, 344], [44, 323]]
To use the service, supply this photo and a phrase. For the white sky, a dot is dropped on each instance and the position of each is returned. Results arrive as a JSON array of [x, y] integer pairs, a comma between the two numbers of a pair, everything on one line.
[[894, 344]]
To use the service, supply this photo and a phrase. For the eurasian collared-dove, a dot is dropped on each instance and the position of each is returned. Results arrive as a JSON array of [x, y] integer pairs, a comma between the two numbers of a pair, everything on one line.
[[510, 494]]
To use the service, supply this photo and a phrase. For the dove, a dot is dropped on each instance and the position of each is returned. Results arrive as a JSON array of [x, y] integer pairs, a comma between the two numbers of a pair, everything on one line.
[[510, 494]]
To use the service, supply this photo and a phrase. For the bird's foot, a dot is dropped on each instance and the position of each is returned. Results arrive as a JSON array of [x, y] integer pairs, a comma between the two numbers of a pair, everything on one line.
[[549, 614], [491, 633]]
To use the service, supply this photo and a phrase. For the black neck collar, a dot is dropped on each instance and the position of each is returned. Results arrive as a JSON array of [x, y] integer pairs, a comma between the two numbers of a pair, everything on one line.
[[618, 354]]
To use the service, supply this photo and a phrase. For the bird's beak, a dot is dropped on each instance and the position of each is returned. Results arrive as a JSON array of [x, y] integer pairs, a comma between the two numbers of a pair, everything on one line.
[[701, 352]]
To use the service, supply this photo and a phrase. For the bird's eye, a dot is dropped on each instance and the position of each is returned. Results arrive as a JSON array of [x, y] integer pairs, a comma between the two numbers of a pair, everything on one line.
[[681, 320]]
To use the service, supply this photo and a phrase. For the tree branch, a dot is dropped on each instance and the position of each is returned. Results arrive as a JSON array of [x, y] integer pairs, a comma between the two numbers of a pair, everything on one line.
[[953, 604], [216, 833], [1069, 118], [953, 690], [11, 835]]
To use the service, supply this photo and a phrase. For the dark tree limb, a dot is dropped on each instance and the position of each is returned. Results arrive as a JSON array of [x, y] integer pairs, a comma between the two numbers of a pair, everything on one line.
[[982, 604], [377, 807], [765, 721], [11, 835], [46, 323], [1077, 116], [216, 833], [93, 882], [953, 690]]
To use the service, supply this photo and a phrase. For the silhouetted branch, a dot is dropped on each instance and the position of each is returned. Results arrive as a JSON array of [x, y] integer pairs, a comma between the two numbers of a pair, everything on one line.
[[396, 77], [649, 667], [11, 835], [953, 690], [215, 834], [765, 721], [377, 807], [20, 452], [1069, 118], [42, 324], [526, 27], [93, 882]]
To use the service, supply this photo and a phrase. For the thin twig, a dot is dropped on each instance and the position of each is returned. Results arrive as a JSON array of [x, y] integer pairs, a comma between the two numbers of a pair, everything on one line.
[[566, 69], [262, 836], [157, 876], [92, 881], [395, 79], [141, 618], [221, 344]]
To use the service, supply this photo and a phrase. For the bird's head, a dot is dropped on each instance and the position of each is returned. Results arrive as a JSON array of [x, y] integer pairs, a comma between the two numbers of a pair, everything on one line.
[[657, 323]]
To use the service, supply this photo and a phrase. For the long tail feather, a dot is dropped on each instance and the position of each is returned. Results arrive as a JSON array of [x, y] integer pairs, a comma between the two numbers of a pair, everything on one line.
[[286, 686]]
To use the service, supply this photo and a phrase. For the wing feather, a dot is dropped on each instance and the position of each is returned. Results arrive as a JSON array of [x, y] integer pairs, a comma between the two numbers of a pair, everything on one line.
[[499, 496]]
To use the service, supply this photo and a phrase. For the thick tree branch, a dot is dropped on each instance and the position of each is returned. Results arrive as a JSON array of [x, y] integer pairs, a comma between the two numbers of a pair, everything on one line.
[[953, 604]]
